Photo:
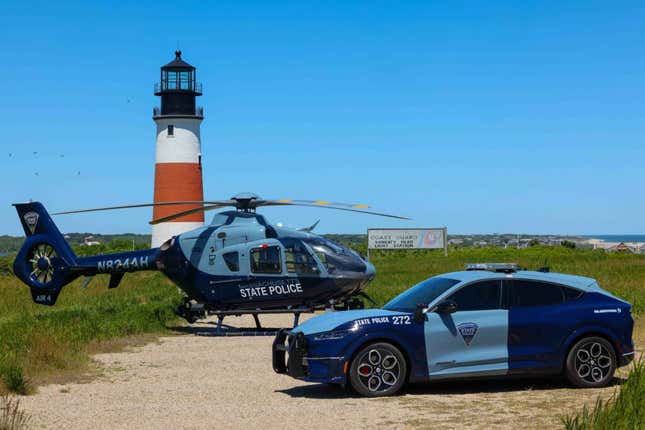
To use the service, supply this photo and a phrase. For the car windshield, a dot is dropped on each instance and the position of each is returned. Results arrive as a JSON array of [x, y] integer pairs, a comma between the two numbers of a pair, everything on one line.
[[424, 292]]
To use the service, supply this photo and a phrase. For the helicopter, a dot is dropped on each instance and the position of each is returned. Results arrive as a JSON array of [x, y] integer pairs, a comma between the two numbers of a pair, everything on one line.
[[239, 264]]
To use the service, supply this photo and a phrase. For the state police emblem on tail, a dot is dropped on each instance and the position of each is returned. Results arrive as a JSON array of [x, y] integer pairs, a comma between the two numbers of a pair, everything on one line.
[[467, 331], [31, 219]]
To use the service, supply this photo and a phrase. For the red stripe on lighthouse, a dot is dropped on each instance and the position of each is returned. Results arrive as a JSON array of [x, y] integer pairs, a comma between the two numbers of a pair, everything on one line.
[[178, 182]]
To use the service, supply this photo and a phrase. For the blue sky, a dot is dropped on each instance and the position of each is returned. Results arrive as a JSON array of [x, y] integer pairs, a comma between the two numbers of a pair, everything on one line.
[[491, 117]]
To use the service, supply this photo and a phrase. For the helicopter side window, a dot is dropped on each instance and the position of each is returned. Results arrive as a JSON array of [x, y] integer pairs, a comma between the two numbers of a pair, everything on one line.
[[232, 260], [266, 260], [299, 261]]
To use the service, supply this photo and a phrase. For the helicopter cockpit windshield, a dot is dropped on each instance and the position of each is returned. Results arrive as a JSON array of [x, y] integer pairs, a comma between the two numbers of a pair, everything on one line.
[[334, 257]]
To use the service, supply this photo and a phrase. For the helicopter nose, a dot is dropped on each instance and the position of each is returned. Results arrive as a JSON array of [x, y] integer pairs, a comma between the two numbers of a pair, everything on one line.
[[370, 271]]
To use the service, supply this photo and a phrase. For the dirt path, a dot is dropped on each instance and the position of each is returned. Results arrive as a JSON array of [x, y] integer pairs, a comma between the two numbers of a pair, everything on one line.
[[228, 383]]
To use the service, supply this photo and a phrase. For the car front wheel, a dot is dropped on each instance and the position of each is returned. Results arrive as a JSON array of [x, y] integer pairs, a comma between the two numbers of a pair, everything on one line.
[[591, 363], [378, 370]]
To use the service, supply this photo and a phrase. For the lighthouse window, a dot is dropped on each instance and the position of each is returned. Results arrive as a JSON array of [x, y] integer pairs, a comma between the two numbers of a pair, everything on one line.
[[184, 80], [171, 130], [171, 78]]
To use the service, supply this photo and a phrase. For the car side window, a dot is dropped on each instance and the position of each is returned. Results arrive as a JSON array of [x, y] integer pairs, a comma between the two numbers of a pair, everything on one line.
[[533, 293], [479, 296], [266, 260], [232, 260]]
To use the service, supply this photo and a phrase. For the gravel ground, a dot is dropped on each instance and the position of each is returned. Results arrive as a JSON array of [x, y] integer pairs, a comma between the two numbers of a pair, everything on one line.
[[196, 382]]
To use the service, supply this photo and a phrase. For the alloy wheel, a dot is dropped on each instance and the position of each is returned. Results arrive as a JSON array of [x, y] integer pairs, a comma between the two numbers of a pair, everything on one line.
[[378, 370], [593, 362]]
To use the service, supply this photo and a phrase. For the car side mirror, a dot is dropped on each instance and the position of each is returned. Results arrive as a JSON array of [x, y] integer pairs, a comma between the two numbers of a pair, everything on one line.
[[419, 314], [446, 307]]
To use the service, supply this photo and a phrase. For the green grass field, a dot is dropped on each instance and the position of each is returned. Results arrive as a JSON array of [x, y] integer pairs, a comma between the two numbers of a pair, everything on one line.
[[37, 342]]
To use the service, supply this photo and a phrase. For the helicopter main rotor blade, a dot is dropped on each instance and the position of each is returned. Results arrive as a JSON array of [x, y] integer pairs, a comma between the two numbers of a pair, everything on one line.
[[188, 212], [354, 208], [240, 204], [143, 205], [317, 203]]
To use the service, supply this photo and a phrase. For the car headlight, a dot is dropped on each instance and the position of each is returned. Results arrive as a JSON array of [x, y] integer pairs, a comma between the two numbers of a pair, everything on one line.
[[335, 334]]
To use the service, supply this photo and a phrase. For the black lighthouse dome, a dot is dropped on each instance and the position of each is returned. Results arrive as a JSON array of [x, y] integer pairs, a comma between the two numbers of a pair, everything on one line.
[[178, 88]]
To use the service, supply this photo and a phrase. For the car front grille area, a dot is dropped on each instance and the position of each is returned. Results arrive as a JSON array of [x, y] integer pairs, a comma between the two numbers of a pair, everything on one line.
[[289, 349]]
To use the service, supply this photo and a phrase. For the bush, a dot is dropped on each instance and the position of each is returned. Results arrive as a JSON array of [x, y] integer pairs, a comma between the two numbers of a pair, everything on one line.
[[6, 265], [568, 244], [14, 379]]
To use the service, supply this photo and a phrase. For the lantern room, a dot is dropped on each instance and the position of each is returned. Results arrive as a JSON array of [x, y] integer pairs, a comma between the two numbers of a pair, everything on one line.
[[178, 88]]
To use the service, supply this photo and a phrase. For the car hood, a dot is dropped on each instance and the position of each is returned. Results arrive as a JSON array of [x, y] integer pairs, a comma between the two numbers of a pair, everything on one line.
[[333, 319]]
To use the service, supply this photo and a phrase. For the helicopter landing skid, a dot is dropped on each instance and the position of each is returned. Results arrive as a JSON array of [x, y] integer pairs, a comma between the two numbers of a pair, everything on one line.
[[223, 330]]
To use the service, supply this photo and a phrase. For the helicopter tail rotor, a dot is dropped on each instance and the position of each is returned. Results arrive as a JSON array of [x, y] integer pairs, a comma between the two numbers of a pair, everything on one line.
[[45, 260]]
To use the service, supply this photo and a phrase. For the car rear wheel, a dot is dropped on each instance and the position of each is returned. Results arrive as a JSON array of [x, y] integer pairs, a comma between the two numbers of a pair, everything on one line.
[[591, 363], [378, 370]]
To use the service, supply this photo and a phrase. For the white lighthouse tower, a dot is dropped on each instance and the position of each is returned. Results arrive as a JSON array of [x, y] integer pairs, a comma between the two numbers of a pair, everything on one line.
[[178, 168]]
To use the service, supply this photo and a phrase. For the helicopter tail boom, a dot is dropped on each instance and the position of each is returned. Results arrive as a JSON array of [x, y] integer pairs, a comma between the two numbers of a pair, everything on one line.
[[46, 262]]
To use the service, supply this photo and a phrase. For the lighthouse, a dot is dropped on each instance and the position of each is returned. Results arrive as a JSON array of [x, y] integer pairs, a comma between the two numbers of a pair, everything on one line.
[[178, 166]]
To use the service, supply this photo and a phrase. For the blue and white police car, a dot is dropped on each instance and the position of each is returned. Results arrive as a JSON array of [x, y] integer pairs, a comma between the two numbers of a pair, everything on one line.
[[487, 321]]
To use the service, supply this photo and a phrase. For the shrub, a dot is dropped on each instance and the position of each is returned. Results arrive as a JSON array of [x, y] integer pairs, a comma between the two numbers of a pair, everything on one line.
[[568, 244], [14, 379], [6, 265]]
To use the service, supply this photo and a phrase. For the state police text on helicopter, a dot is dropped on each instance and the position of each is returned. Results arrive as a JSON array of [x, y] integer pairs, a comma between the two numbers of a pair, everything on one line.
[[270, 289]]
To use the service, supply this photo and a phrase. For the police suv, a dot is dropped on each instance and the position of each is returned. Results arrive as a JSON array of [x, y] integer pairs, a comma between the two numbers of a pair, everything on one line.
[[487, 321]]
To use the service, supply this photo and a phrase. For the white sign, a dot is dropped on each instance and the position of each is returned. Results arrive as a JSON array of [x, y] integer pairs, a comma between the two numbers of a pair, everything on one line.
[[414, 238]]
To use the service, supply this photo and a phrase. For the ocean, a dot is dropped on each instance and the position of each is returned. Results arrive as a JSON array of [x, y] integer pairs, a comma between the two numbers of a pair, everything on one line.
[[618, 237]]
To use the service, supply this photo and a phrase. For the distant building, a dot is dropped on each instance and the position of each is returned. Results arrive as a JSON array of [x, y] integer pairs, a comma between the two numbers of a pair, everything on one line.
[[628, 247], [89, 241]]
